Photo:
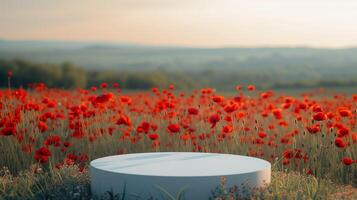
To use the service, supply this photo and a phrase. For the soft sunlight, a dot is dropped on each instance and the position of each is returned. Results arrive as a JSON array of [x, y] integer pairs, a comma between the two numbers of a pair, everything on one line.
[[318, 23]]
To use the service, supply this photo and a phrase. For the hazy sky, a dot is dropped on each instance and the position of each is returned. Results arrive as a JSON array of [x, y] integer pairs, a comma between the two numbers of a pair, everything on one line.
[[320, 23]]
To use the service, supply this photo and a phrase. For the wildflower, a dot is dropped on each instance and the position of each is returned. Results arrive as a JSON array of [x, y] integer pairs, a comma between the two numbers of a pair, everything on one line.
[[347, 161], [251, 87], [42, 155], [153, 136], [42, 126], [218, 99], [173, 128], [262, 135], [214, 119], [125, 120], [319, 116], [339, 142], [192, 111]]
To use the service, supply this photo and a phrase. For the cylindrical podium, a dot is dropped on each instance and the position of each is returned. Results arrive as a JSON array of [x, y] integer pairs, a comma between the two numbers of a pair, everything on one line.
[[146, 175]]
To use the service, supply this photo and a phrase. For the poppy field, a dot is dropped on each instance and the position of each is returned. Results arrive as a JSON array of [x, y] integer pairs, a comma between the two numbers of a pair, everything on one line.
[[312, 134]]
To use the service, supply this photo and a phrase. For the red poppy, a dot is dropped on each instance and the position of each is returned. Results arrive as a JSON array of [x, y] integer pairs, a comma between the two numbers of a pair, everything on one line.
[[93, 88], [153, 136], [345, 112], [251, 87], [125, 120], [115, 85], [347, 161], [173, 128], [42, 155], [286, 161], [341, 132], [42, 126], [262, 135], [214, 119], [218, 99], [319, 116], [193, 111], [53, 140], [309, 172], [339, 142], [67, 144], [238, 87], [289, 153], [227, 129], [104, 98], [104, 85], [9, 130], [314, 129]]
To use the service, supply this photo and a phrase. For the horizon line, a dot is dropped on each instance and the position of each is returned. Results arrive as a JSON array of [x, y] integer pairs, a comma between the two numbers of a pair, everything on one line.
[[118, 43]]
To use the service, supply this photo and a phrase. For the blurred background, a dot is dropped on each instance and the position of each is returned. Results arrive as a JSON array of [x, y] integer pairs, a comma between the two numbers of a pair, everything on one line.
[[279, 44]]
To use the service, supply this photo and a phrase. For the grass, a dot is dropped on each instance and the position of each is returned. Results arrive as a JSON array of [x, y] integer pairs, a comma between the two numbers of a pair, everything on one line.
[[67, 183]]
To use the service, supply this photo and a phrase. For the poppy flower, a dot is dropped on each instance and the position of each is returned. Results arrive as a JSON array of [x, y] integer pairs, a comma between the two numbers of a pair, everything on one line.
[[286, 161], [115, 85], [238, 87], [93, 88], [309, 172], [67, 144], [339, 142], [289, 153], [153, 136], [345, 112], [125, 99], [7, 131], [314, 129], [341, 132], [104, 85], [227, 129], [218, 99], [251, 87], [347, 161], [125, 120], [214, 119], [173, 128], [277, 113], [192, 111], [54, 140], [42, 155], [319, 116], [262, 135], [42, 126], [104, 98], [231, 108]]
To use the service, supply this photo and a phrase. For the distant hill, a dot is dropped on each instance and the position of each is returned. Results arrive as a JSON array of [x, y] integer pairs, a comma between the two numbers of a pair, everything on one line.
[[283, 64]]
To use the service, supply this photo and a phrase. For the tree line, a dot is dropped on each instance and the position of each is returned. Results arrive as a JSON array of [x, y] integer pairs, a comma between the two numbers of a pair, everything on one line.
[[68, 75]]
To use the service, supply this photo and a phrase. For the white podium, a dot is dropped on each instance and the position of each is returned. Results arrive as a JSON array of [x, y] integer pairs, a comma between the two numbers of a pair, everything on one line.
[[142, 174]]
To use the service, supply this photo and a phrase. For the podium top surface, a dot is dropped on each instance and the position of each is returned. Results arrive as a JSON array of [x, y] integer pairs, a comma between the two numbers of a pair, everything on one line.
[[180, 164]]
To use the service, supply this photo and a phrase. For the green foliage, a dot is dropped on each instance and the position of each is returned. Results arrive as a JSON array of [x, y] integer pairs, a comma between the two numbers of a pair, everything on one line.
[[287, 186], [68, 183], [36, 183], [179, 196], [67, 75]]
